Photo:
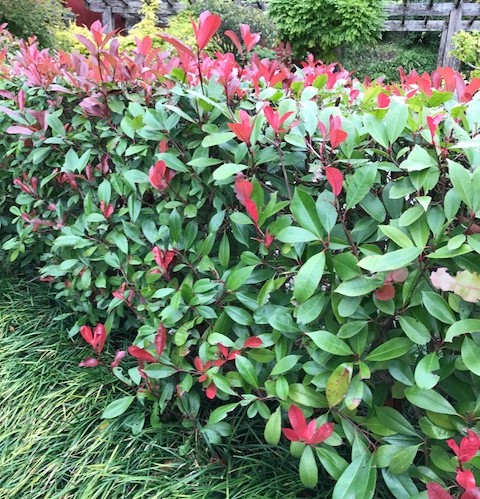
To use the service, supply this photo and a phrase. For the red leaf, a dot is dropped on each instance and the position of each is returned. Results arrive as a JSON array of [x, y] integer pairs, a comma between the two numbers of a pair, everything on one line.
[[233, 36], [297, 420], [208, 25], [211, 391], [385, 293], [160, 339], [471, 494], [253, 342], [335, 179], [398, 276], [119, 355], [249, 39], [99, 338], [141, 354], [337, 135], [243, 190], [87, 334], [435, 491], [466, 479], [291, 435], [89, 362], [179, 45], [321, 434], [20, 130], [383, 100]]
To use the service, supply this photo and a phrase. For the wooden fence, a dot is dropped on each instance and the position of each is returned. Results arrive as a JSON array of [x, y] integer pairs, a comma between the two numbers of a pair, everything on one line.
[[445, 17]]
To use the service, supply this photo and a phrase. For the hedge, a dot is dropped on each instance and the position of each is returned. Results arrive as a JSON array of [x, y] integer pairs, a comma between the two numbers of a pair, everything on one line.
[[285, 242]]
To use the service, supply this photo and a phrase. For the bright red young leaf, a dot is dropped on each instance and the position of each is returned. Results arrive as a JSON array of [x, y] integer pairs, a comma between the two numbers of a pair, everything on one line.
[[89, 362], [301, 432], [235, 40], [96, 338], [119, 355], [383, 100], [337, 135], [253, 342], [335, 179], [160, 176], [268, 239], [242, 130], [275, 120], [469, 446], [466, 479], [433, 122], [471, 494], [397, 276], [178, 44], [141, 354], [207, 26], [160, 339], [435, 491], [243, 190], [211, 391], [106, 209], [163, 258]]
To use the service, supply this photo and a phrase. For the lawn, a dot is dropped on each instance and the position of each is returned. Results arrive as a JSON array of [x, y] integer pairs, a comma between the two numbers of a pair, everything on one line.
[[53, 444]]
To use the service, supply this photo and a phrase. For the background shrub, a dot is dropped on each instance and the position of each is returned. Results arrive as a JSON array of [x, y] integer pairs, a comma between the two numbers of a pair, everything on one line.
[[234, 14], [322, 26], [40, 18], [296, 244]]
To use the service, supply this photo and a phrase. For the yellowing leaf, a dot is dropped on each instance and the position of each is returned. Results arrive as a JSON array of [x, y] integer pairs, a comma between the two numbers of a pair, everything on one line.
[[465, 284]]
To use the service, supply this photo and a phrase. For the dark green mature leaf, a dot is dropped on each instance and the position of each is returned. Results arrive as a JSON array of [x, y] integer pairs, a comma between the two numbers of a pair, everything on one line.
[[304, 210], [359, 286], [437, 307], [424, 377], [117, 407], [308, 468], [429, 400], [393, 420], [390, 261], [308, 277], [273, 428], [391, 349], [462, 327], [415, 330], [334, 464], [330, 343], [471, 355], [357, 481], [359, 184], [246, 370]]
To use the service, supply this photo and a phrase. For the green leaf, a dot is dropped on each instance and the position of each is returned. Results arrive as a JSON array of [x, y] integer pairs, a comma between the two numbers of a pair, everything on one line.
[[334, 464], [396, 120], [117, 407], [307, 396], [462, 327], [424, 377], [393, 420], [391, 349], [304, 210], [285, 364], [273, 428], [397, 236], [429, 400], [471, 355], [220, 413], [135, 177], [246, 370], [376, 128], [238, 277], [217, 138], [359, 184], [415, 330], [359, 286], [308, 468], [228, 170], [338, 384], [357, 481], [330, 343], [461, 180], [403, 459], [437, 307], [238, 315], [308, 277], [295, 235], [390, 261], [419, 159]]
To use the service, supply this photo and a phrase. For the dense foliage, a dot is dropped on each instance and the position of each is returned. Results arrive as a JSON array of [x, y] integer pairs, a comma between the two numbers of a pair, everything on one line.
[[293, 243], [40, 18], [233, 15], [322, 26], [467, 50]]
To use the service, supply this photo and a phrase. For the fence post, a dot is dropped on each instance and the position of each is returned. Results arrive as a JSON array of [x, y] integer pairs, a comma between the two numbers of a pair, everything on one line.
[[107, 18], [446, 42]]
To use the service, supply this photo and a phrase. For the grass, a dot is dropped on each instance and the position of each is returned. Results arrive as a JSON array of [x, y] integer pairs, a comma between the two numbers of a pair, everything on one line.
[[54, 445]]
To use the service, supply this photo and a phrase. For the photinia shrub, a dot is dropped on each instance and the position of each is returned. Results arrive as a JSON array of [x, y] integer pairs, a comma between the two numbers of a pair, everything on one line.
[[287, 243]]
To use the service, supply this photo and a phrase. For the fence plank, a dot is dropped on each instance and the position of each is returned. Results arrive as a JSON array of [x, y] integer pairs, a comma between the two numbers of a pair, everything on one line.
[[438, 25], [422, 9]]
